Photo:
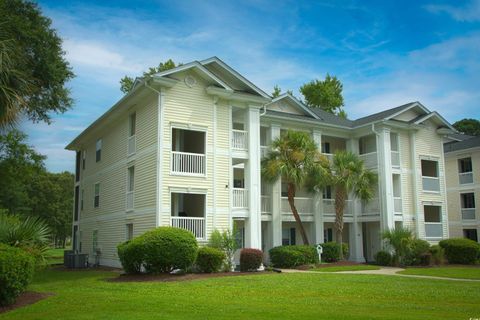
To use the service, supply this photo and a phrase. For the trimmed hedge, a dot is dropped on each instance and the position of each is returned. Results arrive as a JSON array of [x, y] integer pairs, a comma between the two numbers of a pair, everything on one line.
[[250, 259], [331, 251], [418, 253], [383, 258], [209, 259], [16, 271], [131, 255], [460, 250], [292, 256]]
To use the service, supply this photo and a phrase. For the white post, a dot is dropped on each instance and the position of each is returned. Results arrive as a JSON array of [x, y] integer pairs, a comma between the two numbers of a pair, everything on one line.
[[276, 198], [385, 179], [317, 198]]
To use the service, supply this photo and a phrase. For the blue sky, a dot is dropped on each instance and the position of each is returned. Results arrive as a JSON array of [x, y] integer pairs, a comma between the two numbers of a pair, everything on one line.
[[386, 53]]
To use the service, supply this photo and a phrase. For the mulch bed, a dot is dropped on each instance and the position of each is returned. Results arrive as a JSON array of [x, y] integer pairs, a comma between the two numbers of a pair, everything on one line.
[[333, 264], [26, 299], [179, 277], [99, 268]]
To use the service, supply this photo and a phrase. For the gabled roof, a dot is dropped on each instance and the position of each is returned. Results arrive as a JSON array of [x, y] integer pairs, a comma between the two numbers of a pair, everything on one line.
[[462, 145], [386, 114], [296, 102], [459, 136]]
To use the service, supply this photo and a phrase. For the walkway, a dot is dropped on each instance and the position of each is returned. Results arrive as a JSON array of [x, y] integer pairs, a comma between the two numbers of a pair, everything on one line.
[[385, 271]]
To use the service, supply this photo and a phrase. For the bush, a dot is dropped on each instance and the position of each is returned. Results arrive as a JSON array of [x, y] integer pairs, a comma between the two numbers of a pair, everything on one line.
[[209, 259], [292, 256], [417, 253], [437, 253], [250, 259], [383, 258], [227, 242], [168, 248], [459, 250], [131, 255], [331, 251], [16, 272]]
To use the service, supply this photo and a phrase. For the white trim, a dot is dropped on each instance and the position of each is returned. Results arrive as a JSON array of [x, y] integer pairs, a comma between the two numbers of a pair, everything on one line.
[[413, 105], [160, 133], [298, 103], [214, 167]]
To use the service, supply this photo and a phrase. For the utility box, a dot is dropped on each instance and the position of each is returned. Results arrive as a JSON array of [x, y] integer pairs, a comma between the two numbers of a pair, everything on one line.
[[67, 258], [75, 260]]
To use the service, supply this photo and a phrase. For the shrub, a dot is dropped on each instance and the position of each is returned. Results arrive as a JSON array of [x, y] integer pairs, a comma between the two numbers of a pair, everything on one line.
[[131, 255], [417, 253], [168, 248], [209, 259], [226, 242], [250, 259], [437, 253], [331, 251], [383, 258], [292, 256], [399, 240], [459, 250], [16, 272]]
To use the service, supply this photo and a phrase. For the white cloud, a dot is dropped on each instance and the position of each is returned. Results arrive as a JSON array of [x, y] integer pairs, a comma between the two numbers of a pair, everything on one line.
[[468, 13]]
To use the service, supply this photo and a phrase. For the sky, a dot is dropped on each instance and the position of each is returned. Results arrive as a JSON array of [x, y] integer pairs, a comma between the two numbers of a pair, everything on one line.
[[386, 53]]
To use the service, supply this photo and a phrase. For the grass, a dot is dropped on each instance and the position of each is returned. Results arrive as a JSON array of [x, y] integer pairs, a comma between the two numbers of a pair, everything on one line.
[[346, 268], [458, 272], [55, 255], [85, 295]]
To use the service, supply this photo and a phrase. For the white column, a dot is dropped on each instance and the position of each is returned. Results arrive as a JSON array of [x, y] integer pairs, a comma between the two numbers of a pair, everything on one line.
[[385, 179], [275, 199], [253, 230], [318, 199]]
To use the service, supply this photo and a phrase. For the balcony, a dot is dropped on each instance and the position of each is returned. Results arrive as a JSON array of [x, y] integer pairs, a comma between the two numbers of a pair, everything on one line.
[[465, 177], [264, 151], [240, 198], [187, 163], [195, 225], [369, 159], [371, 207], [433, 230], [468, 213], [395, 159], [431, 184], [397, 204], [132, 148], [329, 207], [129, 200], [303, 205], [265, 205], [239, 140]]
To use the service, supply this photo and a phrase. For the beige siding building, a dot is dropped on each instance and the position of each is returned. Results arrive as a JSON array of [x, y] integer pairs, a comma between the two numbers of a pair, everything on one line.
[[183, 149], [462, 159]]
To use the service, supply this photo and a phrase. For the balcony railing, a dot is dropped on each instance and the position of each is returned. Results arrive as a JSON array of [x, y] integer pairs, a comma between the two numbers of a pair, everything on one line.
[[397, 204], [465, 177], [369, 159], [239, 140], [129, 200], [431, 184], [468, 213], [132, 148], [329, 207], [265, 205], [186, 163], [371, 207], [195, 225], [240, 198], [303, 205], [395, 159], [433, 230], [264, 151]]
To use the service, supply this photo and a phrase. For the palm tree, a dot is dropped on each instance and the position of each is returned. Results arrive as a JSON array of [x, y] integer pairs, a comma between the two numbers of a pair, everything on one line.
[[345, 174], [293, 158], [399, 239]]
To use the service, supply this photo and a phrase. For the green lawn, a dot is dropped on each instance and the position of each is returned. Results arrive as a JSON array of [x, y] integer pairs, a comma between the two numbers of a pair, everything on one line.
[[446, 271], [55, 256], [346, 268], [85, 295]]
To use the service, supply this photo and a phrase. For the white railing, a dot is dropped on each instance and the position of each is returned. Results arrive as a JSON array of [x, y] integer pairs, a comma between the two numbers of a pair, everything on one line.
[[465, 177], [431, 184], [369, 159], [264, 151], [239, 139], [468, 213], [130, 196], [195, 225], [187, 163], [265, 204], [303, 205], [397, 204], [329, 207], [370, 207], [240, 198], [132, 148], [433, 230], [395, 159]]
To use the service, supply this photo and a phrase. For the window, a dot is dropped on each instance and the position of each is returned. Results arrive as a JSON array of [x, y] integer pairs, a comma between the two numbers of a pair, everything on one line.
[[328, 235], [132, 124], [77, 166], [326, 147], [465, 165], [367, 144], [433, 221], [327, 192], [470, 234], [96, 200], [288, 236], [98, 152], [240, 237], [468, 200], [94, 241], [393, 141], [76, 204], [82, 194], [131, 179], [432, 213], [129, 231], [84, 159], [429, 168]]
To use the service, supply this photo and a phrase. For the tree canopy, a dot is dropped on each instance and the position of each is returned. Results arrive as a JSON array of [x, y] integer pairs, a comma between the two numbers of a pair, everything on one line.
[[468, 126], [325, 94], [126, 82], [34, 72]]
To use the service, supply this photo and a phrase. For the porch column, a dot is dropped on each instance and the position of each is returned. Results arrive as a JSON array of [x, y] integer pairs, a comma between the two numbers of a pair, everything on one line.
[[318, 199], [275, 199], [385, 179], [356, 242], [253, 230]]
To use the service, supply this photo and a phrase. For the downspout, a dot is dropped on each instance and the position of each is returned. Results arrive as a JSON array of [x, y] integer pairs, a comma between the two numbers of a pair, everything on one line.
[[264, 110]]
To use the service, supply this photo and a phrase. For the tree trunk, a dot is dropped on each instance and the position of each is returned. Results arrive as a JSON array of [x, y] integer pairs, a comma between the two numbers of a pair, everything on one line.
[[291, 201], [340, 196]]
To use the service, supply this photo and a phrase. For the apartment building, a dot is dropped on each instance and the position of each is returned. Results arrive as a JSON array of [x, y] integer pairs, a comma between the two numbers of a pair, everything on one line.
[[184, 149], [462, 163]]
